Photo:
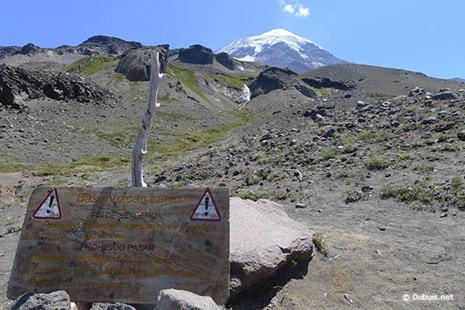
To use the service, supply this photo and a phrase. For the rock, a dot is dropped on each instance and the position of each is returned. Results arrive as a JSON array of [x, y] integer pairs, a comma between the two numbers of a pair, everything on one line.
[[366, 108], [300, 205], [416, 91], [58, 300], [226, 60], [461, 135], [329, 133], [104, 45], [274, 78], [324, 82], [443, 214], [108, 306], [445, 94], [196, 54], [160, 178], [430, 120], [172, 299], [317, 118], [18, 85], [136, 64], [263, 239], [29, 49]]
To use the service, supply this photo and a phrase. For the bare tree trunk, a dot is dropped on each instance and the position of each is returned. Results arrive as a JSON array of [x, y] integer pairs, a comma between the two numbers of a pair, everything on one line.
[[140, 147]]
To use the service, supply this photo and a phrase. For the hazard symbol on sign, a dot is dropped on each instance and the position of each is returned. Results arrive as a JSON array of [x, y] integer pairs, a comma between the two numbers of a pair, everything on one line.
[[49, 208], [206, 209]]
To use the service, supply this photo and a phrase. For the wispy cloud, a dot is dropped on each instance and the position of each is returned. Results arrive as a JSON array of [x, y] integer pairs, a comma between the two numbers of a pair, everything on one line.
[[296, 9]]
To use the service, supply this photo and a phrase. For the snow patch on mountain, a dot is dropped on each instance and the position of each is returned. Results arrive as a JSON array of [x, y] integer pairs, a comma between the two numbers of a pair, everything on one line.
[[281, 48]]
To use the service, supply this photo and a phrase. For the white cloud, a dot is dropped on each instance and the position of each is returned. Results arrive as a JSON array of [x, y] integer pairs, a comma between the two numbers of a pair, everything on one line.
[[302, 12], [289, 9], [296, 9]]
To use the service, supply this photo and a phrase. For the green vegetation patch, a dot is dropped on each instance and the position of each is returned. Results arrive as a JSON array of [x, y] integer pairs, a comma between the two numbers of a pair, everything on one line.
[[117, 139], [377, 163], [92, 64], [7, 167], [233, 81], [187, 77], [422, 191], [248, 195], [189, 140], [91, 164]]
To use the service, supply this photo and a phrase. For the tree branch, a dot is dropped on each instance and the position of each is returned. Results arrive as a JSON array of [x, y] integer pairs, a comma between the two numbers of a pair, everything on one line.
[[140, 146]]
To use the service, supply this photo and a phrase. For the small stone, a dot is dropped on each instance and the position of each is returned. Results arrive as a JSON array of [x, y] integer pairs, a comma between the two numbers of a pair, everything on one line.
[[443, 214], [366, 188], [329, 133], [110, 306], [160, 178], [300, 205], [430, 120], [461, 135], [387, 174], [177, 299], [381, 227], [444, 209], [404, 145]]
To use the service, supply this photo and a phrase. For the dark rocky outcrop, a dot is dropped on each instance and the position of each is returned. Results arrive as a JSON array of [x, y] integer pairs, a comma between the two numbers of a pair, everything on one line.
[[226, 60], [102, 45], [275, 78], [29, 48], [135, 64], [18, 85], [196, 54], [324, 82]]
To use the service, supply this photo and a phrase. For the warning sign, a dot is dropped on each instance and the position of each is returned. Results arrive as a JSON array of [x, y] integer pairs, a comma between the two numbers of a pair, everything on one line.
[[124, 244], [206, 209], [49, 208]]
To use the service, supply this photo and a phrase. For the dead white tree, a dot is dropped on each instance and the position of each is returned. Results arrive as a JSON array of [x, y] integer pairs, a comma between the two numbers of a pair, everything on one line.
[[140, 146]]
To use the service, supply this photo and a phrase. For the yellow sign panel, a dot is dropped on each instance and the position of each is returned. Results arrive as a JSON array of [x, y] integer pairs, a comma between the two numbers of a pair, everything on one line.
[[124, 244]]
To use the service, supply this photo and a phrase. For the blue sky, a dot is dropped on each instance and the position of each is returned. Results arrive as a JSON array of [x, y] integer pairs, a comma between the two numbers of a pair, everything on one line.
[[426, 36]]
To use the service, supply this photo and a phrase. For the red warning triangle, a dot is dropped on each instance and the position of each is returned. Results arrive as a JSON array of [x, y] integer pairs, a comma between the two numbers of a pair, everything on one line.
[[49, 208], [206, 209]]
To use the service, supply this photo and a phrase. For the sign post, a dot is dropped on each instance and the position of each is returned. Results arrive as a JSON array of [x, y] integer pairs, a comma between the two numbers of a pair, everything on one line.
[[124, 244]]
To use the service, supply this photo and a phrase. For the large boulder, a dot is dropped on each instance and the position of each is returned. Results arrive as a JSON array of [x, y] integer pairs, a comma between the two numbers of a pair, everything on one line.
[[196, 54], [172, 299], [58, 300], [445, 94], [135, 64], [263, 239], [276, 78]]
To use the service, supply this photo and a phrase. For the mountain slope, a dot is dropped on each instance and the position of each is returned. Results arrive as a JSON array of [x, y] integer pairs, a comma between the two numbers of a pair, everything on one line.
[[281, 48]]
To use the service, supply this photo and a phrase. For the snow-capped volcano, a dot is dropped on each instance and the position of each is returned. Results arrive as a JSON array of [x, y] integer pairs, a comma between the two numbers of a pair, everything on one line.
[[281, 48]]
